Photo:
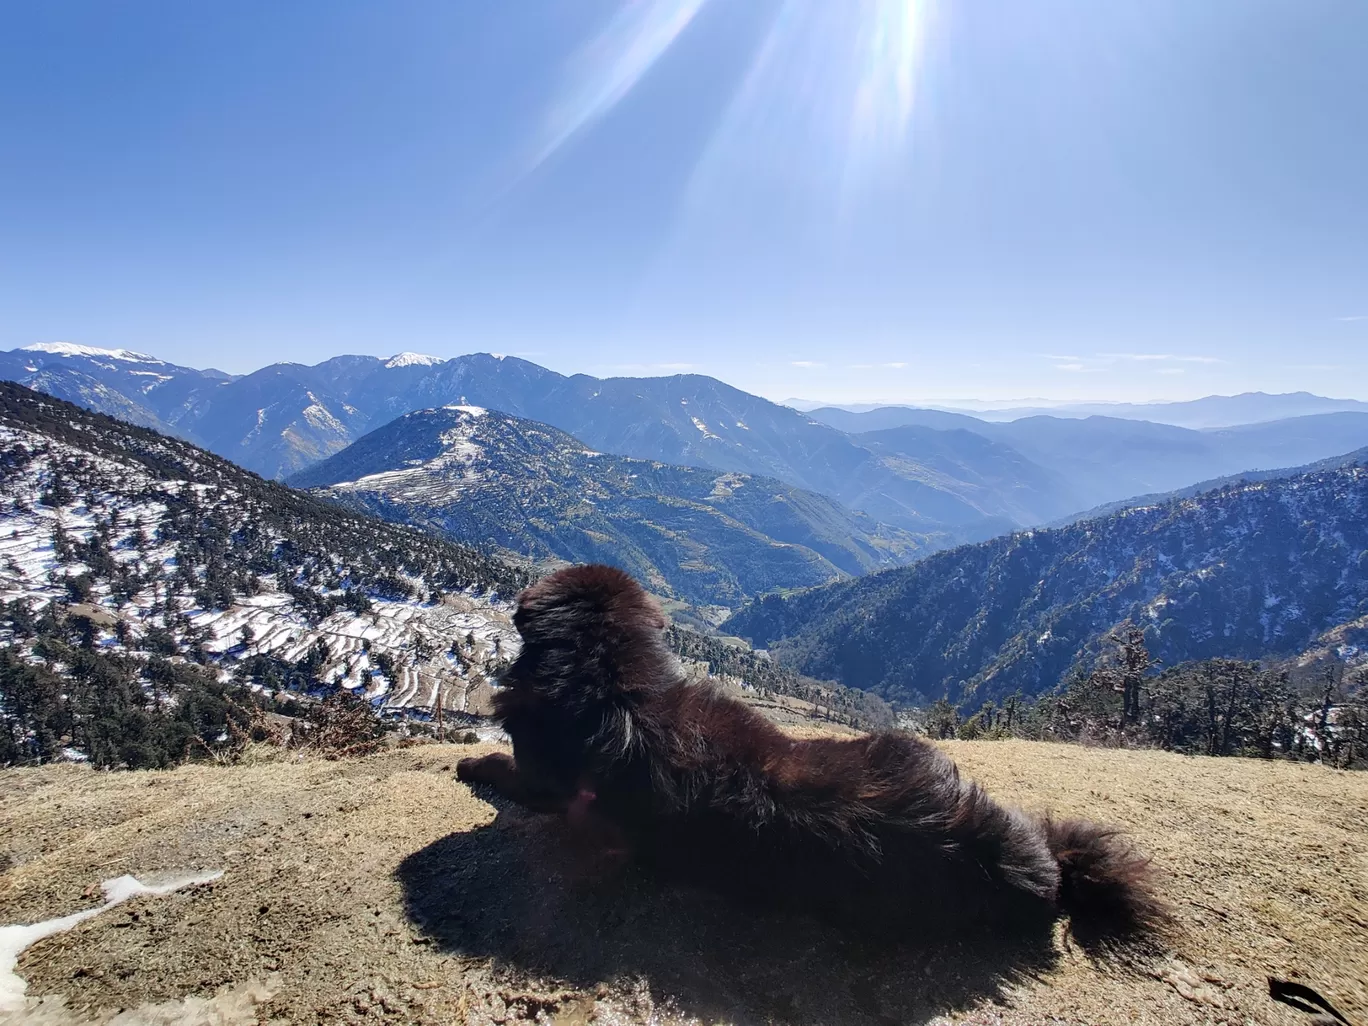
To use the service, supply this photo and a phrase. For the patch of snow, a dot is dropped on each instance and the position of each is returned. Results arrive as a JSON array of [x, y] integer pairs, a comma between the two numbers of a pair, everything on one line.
[[702, 427], [320, 418], [480, 626], [471, 411], [72, 349], [413, 360], [15, 939]]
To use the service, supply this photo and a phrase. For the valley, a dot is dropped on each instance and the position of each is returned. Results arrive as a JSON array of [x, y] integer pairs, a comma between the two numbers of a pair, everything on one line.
[[708, 538]]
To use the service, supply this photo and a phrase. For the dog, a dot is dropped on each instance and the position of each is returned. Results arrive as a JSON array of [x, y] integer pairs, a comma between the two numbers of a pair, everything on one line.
[[878, 832]]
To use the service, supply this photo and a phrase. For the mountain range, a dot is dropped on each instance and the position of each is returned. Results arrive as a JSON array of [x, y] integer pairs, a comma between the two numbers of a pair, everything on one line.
[[1252, 569], [286, 417], [959, 479], [1067, 465], [703, 536], [1208, 412]]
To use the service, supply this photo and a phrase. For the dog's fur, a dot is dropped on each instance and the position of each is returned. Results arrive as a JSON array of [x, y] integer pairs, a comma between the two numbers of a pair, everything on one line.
[[879, 831]]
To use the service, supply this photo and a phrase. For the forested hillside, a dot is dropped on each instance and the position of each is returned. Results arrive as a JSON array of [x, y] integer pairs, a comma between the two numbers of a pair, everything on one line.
[[698, 535], [1247, 571], [149, 586]]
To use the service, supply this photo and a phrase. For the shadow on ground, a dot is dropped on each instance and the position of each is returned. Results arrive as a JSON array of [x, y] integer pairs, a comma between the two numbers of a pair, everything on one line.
[[512, 892]]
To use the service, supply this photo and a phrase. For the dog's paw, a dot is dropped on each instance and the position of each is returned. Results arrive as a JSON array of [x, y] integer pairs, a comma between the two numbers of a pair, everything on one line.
[[485, 769]]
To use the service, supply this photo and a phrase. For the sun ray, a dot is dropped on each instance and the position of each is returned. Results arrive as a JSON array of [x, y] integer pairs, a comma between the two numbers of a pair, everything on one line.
[[604, 71]]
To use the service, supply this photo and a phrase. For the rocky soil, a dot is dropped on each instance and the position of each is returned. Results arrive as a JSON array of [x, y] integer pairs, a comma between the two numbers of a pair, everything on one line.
[[382, 890]]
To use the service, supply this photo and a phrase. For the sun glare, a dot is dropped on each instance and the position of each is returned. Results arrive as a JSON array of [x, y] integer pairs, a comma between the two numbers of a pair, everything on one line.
[[893, 31], [828, 98], [607, 68]]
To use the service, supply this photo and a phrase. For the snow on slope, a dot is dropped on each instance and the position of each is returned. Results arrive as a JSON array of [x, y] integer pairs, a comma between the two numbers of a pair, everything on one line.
[[454, 646], [413, 360], [72, 349]]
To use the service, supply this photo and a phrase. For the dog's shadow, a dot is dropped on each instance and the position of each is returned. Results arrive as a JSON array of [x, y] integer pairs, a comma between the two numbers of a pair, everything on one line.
[[513, 891]]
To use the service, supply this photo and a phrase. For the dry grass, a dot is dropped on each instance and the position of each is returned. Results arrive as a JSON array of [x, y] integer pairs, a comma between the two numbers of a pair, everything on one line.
[[381, 888]]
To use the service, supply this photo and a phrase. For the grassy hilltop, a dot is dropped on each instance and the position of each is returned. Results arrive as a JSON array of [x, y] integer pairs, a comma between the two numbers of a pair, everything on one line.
[[381, 889]]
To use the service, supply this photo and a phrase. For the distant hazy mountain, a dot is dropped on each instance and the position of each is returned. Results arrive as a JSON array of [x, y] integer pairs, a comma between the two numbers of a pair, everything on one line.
[[978, 470], [1213, 411], [1358, 456], [700, 535], [1250, 570], [1099, 460], [883, 418]]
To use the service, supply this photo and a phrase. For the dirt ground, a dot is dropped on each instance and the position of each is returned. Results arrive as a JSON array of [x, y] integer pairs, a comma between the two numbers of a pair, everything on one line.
[[381, 889]]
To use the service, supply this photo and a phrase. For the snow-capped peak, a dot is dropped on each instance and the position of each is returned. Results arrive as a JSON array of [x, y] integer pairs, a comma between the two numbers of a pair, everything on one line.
[[414, 360], [72, 349], [470, 411]]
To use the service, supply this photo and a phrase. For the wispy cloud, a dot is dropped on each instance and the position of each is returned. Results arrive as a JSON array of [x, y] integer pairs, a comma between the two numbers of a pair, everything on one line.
[[1162, 363], [1356, 317], [1159, 358], [807, 364], [647, 369]]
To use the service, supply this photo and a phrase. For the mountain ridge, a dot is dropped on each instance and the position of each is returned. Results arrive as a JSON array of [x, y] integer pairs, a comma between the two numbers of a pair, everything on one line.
[[282, 418], [701, 535], [1253, 569]]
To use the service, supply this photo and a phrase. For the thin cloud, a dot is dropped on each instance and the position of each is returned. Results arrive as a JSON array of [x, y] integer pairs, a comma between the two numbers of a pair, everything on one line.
[[807, 364], [1101, 362], [648, 368], [1160, 358], [1356, 317]]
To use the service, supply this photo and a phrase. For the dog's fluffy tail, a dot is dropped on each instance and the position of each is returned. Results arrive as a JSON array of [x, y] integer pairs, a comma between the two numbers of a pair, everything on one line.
[[1105, 886]]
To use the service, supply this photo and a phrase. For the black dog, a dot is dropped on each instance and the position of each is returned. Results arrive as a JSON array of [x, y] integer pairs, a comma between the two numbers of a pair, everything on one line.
[[878, 831]]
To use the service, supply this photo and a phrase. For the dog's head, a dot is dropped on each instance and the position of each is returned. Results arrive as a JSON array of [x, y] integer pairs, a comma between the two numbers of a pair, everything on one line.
[[593, 648], [596, 598], [588, 632]]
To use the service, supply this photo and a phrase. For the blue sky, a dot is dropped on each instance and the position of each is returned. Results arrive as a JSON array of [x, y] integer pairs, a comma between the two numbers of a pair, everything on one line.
[[853, 200]]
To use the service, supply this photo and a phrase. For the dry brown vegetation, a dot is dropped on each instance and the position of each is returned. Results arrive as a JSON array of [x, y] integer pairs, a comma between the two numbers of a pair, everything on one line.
[[381, 888]]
